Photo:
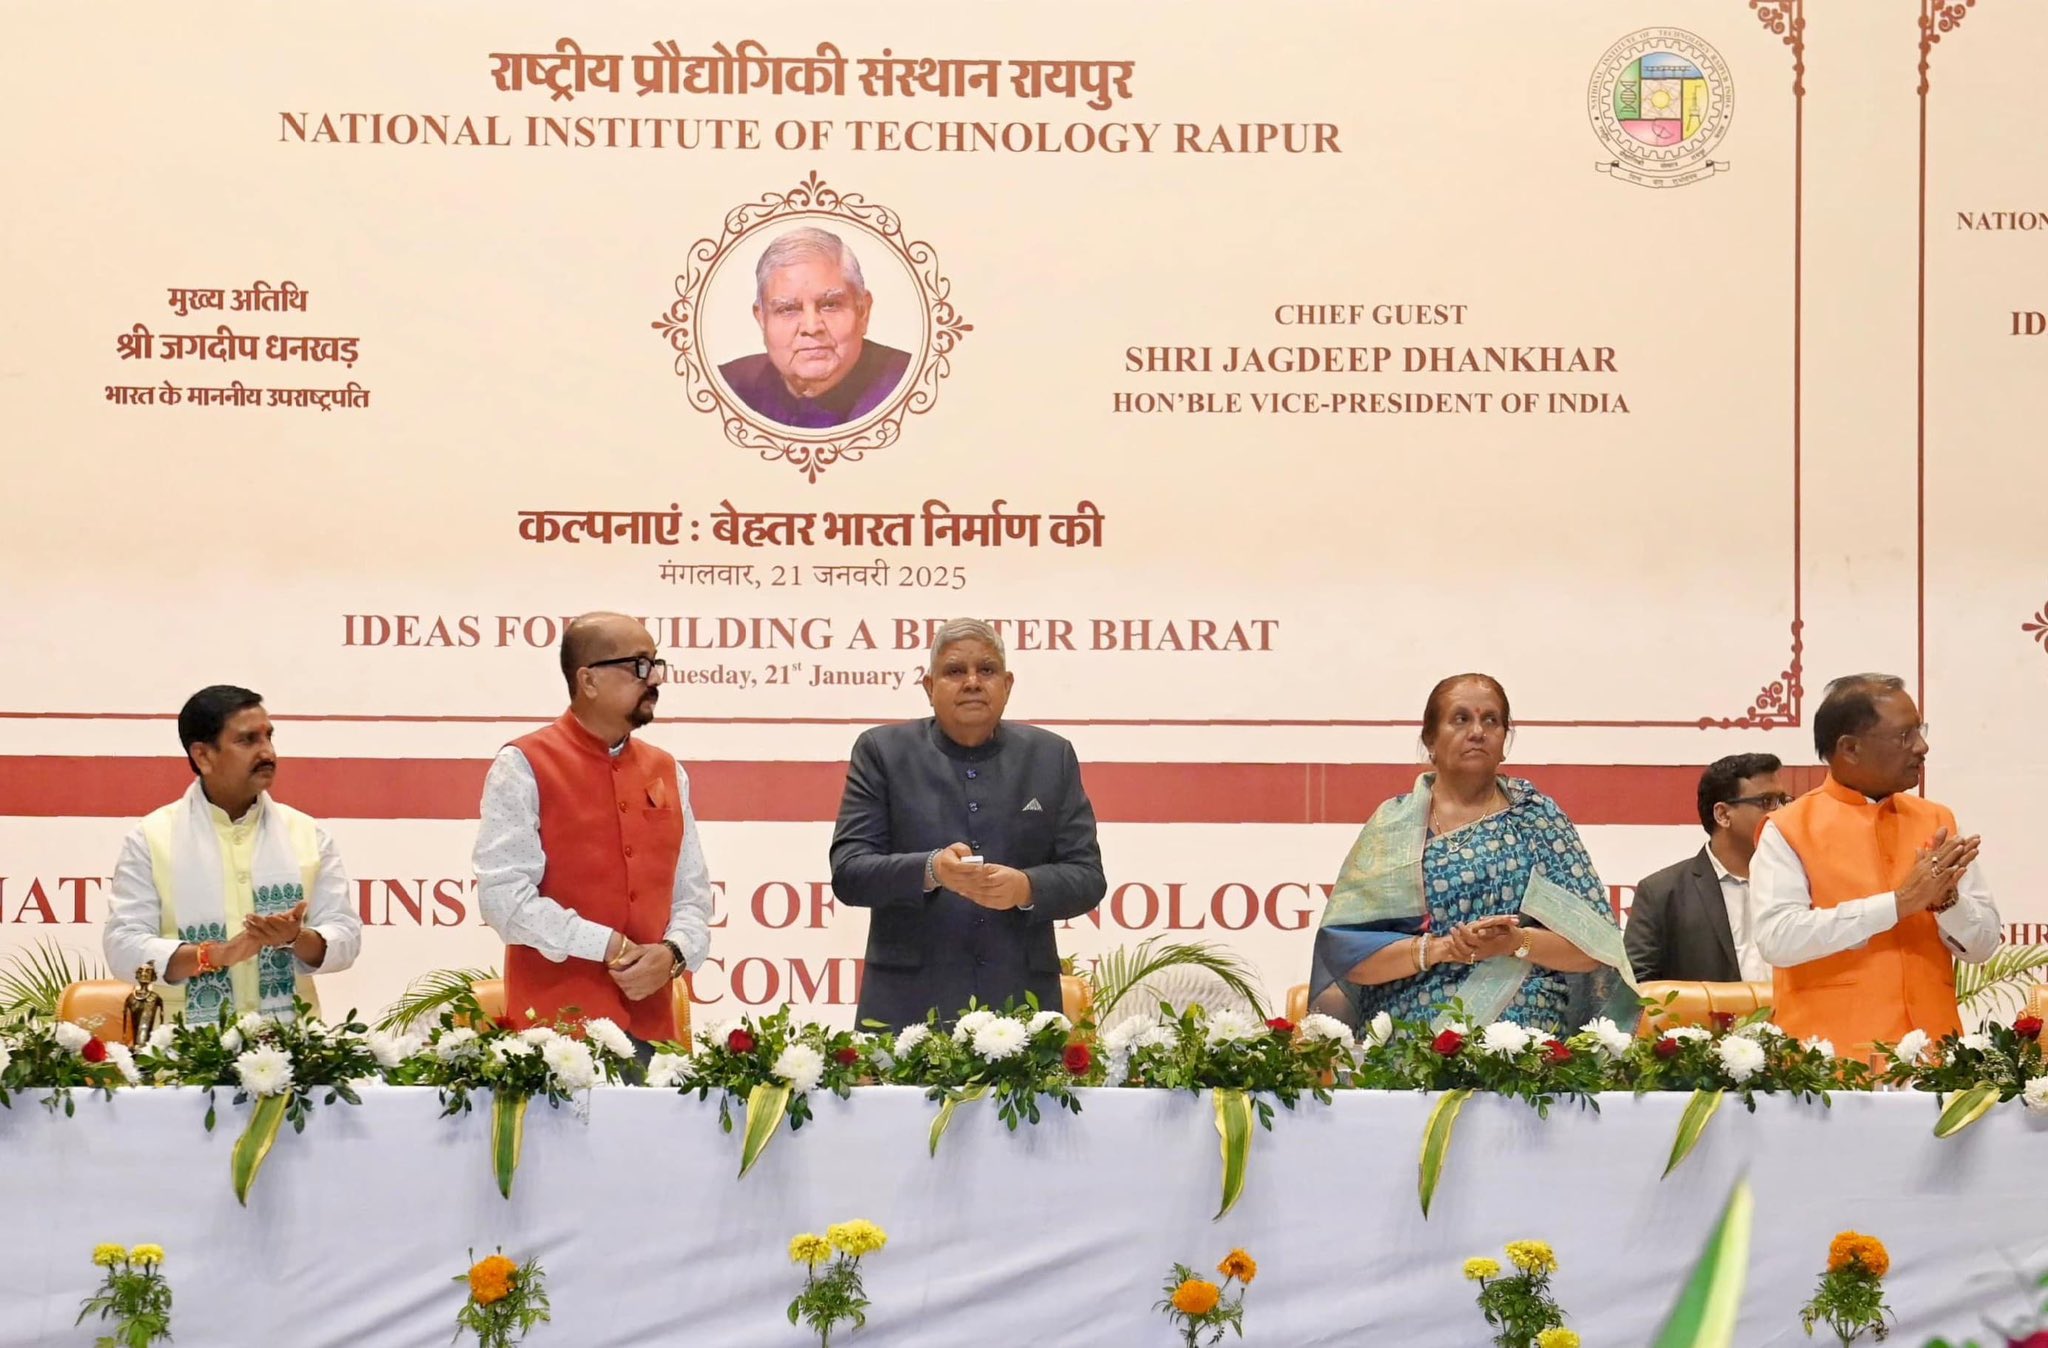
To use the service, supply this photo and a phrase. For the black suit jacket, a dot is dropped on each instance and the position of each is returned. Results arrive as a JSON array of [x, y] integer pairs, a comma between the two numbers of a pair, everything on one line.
[[1678, 926], [1018, 802]]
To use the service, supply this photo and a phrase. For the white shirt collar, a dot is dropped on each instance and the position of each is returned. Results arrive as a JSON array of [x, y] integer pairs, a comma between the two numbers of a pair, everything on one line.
[[1721, 872]]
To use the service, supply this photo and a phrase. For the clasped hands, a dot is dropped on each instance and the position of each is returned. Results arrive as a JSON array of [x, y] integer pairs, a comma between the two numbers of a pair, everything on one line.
[[260, 931], [1471, 942], [981, 882], [1937, 870], [640, 971]]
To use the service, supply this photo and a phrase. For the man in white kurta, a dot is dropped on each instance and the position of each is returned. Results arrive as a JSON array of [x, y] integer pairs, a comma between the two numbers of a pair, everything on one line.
[[235, 899]]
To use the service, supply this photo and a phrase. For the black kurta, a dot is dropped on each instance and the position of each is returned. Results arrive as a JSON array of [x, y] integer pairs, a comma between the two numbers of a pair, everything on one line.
[[1017, 801]]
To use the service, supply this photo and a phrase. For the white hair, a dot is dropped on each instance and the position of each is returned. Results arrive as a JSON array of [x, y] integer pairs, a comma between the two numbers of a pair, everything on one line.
[[955, 630], [803, 244]]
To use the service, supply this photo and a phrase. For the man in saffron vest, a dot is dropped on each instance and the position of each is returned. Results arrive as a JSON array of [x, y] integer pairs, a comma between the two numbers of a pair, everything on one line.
[[1866, 895], [234, 898], [587, 856]]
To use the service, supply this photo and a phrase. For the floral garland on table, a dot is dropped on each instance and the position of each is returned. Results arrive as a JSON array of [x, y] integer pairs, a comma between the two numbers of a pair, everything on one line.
[[1247, 1065], [1021, 1055], [1969, 1073], [771, 1065], [278, 1068], [560, 1063], [60, 1057]]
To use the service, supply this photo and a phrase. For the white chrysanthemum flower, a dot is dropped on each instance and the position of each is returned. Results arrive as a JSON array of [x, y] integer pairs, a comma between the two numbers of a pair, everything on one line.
[[802, 1066], [1378, 1030], [1980, 1042], [265, 1071], [1044, 1019], [390, 1049], [71, 1038], [1158, 1035], [717, 1032], [124, 1058], [1824, 1047], [253, 1025], [2035, 1096], [315, 1028], [1912, 1045], [231, 1040], [1741, 1057], [160, 1039], [1116, 1069], [1504, 1039], [361, 1084], [970, 1025], [1123, 1036], [1762, 1030], [1231, 1025], [539, 1034], [610, 1037], [665, 1071], [1000, 1039], [1317, 1027], [455, 1044], [571, 1063], [910, 1038], [1611, 1038], [1692, 1032]]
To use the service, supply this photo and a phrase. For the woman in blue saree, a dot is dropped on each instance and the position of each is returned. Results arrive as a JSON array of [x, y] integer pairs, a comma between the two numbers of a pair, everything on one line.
[[1472, 886]]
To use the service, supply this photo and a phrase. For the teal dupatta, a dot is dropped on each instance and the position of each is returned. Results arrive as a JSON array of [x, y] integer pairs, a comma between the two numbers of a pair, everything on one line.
[[1381, 897]]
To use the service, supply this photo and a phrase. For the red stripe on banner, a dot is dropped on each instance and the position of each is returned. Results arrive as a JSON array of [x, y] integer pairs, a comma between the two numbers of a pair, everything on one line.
[[53, 787]]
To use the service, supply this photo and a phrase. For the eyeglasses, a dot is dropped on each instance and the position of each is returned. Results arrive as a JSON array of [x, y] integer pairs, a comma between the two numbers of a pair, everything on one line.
[[1770, 800], [641, 665]]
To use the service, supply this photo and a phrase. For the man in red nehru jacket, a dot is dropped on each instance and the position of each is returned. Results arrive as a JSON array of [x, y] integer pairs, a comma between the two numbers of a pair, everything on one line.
[[587, 856]]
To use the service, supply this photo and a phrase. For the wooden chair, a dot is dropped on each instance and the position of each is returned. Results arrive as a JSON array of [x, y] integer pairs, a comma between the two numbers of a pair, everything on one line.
[[1077, 1002], [1297, 1003], [1706, 1005], [96, 1004], [490, 996]]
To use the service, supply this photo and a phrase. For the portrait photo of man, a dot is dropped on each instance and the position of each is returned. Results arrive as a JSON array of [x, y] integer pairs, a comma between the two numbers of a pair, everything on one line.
[[818, 369]]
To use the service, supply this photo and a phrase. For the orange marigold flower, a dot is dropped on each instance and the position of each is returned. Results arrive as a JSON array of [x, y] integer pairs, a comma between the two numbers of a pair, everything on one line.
[[1196, 1297], [490, 1279], [1851, 1248], [1239, 1265]]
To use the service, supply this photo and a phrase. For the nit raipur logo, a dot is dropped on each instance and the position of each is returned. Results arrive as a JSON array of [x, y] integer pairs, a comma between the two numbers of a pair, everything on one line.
[[1660, 101]]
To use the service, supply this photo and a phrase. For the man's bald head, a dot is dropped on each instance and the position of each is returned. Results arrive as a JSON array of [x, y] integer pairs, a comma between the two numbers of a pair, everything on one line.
[[591, 637]]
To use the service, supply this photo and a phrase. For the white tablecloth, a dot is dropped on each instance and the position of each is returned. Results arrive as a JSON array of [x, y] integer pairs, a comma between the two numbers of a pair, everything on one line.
[[1056, 1235]]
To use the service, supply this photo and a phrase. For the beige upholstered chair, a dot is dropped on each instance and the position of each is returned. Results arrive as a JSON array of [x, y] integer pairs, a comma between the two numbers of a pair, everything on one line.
[[1701, 1004], [96, 1004], [490, 995]]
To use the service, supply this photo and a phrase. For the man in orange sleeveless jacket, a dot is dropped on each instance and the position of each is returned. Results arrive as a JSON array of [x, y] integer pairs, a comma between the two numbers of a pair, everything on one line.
[[1866, 895], [587, 856]]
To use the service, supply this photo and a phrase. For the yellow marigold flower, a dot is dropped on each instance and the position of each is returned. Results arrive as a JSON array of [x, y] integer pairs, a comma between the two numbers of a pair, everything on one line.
[[1850, 1248], [1239, 1265], [1196, 1297], [1532, 1256], [857, 1237], [147, 1254], [490, 1279], [809, 1249], [106, 1256], [1480, 1269], [1557, 1337]]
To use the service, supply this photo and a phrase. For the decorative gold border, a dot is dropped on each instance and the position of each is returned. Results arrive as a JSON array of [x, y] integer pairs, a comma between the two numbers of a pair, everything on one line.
[[811, 454]]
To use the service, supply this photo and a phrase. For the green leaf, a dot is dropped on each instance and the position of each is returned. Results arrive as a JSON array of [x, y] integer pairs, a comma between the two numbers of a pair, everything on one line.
[[1436, 1143], [508, 1136], [1690, 1125], [953, 1100], [1117, 971], [32, 980], [252, 1148], [1964, 1109], [427, 996], [1712, 1297], [2002, 982], [766, 1105], [1234, 1127]]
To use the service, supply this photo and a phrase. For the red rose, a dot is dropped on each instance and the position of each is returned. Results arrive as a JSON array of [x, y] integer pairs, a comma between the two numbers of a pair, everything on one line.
[[1280, 1025], [2037, 1339], [1079, 1060], [1448, 1043], [740, 1041], [1667, 1047], [847, 1057], [504, 1023], [94, 1051], [1555, 1052], [1723, 1021], [2027, 1027]]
